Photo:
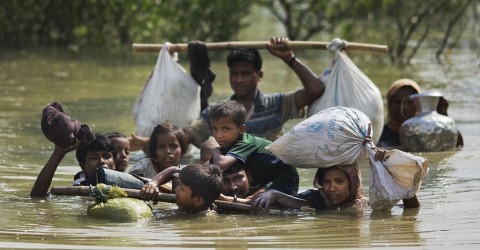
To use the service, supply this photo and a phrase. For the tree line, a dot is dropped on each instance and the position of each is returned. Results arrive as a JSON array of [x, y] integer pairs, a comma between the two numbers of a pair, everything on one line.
[[403, 25]]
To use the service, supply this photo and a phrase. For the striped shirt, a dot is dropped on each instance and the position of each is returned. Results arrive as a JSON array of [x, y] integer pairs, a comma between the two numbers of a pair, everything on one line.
[[269, 114]]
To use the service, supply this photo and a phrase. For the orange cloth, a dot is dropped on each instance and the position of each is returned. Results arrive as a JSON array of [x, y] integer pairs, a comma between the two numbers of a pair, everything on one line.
[[392, 90]]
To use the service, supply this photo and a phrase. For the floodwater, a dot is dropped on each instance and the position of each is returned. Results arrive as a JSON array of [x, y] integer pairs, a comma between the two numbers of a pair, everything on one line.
[[100, 90]]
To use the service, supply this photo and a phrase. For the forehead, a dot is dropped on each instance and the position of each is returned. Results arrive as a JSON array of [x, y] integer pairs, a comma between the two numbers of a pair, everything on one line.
[[166, 138], [120, 141], [242, 66], [236, 173], [98, 153], [403, 92], [335, 173], [222, 122], [185, 187]]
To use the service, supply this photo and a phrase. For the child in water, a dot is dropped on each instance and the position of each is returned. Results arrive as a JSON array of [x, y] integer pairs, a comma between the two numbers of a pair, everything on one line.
[[122, 150], [167, 146], [95, 154], [235, 146], [198, 187]]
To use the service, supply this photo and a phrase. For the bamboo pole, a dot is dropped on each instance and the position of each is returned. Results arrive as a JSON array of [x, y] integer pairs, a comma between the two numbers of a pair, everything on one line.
[[183, 47], [135, 193]]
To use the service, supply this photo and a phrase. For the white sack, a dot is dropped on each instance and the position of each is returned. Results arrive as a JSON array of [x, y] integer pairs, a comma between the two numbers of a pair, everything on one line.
[[346, 85], [170, 95], [333, 136], [397, 177]]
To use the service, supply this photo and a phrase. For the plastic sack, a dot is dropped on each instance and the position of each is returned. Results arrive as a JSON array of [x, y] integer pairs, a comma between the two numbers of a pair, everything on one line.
[[346, 85], [333, 136], [398, 176], [170, 95]]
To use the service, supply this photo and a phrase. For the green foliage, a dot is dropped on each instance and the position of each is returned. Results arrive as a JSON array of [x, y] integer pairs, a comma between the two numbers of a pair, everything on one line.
[[116, 23], [403, 25]]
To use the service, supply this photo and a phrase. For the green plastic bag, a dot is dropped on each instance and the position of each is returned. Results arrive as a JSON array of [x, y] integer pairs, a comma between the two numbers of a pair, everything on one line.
[[111, 203], [121, 210]]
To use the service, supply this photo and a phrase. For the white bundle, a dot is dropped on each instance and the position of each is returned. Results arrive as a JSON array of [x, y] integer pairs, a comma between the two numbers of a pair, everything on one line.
[[397, 177], [346, 85], [170, 95], [333, 136]]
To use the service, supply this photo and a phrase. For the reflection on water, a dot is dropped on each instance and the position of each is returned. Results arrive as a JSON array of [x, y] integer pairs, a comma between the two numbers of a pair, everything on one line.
[[101, 93]]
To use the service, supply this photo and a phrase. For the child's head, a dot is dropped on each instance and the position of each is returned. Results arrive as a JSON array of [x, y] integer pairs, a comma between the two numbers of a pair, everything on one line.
[[227, 119], [167, 145], [98, 153], [122, 150], [200, 185], [247, 55]]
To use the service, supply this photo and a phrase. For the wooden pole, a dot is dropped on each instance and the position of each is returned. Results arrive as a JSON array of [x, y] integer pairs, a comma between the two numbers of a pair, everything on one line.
[[183, 47], [134, 193]]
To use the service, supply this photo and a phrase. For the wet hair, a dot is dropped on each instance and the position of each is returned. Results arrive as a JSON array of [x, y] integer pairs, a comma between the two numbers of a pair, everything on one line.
[[99, 142], [114, 134], [235, 168], [245, 55], [165, 128], [205, 180], [230, 109]]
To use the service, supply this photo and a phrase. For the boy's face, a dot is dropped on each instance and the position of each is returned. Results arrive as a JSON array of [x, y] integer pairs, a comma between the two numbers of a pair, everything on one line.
[[122, 155], [226, 132], [236, 184], [98, 159], [184, 198], [244, 78]]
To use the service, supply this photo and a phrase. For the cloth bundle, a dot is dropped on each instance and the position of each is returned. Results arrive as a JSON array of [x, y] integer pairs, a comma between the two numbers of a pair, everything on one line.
[[62, 130]]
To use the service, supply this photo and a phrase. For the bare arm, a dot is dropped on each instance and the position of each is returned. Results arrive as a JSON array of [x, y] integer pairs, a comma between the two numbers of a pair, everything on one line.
[[313, 87], [223, 161], [138, 142], [45, 177], [151, 189], [265, 200]]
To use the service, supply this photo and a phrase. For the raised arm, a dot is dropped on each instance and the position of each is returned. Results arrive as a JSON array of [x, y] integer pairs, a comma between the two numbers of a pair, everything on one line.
[[313, 88], [45, 177]]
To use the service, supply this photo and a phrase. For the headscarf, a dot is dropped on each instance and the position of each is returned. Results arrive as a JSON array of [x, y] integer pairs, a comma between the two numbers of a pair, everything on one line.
[[354, 176], [392, 90]]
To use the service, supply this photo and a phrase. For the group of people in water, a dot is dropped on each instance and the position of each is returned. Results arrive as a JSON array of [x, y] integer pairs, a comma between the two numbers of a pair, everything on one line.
[[232, 135]]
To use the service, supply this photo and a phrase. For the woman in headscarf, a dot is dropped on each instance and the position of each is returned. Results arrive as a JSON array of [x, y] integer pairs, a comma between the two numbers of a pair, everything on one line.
[[335, 188], [399, 108]]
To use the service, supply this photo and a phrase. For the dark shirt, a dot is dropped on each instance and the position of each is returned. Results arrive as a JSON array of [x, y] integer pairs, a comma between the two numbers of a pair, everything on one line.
[[388, 138], [314, 197], [267, 170]]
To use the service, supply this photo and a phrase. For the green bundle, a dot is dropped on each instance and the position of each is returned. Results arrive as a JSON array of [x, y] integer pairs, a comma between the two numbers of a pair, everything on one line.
[[113, 204]]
